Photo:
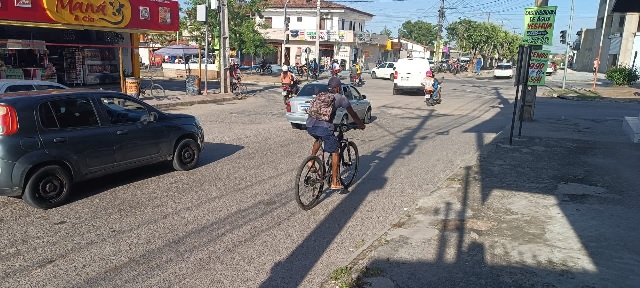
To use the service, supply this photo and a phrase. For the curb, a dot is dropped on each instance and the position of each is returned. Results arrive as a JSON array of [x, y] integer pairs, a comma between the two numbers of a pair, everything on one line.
[[194, 102], [599, 99]]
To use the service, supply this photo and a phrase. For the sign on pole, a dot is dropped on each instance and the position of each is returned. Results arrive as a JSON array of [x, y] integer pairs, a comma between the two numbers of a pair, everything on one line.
[[538, 67], [538, 25]]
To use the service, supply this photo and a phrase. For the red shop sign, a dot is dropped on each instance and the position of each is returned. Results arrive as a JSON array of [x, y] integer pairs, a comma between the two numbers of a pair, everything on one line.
[[152, 15]]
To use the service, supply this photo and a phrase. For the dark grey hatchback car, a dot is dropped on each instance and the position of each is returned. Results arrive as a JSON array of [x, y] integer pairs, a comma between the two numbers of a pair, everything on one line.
[[51, 139]]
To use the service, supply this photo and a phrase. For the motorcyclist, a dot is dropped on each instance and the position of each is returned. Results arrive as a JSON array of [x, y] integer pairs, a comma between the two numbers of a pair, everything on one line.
[[353, 72], [431, 87], [359, 73], [288, 79]]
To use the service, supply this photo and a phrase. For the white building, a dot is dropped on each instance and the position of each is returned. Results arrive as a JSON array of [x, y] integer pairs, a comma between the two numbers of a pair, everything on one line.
[[340, 27], [412, 49], [621, 41]]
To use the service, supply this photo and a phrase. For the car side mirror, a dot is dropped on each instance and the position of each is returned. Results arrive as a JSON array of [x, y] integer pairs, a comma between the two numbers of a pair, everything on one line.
[[153, 117], [364, 96]]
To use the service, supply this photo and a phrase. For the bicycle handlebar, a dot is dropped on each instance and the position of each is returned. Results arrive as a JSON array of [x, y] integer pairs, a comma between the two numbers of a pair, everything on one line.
[[345, 127]]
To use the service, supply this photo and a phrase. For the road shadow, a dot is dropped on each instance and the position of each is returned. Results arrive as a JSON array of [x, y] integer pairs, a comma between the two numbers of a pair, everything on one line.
[[213, 152], [568, 154]]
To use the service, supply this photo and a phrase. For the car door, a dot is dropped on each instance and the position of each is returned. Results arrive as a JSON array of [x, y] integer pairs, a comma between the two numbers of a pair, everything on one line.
[[136, 138], [389, 70], [71, 131], [357, 102]]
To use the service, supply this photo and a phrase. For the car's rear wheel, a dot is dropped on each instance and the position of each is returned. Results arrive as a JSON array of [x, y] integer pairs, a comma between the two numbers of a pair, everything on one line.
[[373, 75], [297, 126], [391, 77], [367, 116], [48, 187], [186, 155]]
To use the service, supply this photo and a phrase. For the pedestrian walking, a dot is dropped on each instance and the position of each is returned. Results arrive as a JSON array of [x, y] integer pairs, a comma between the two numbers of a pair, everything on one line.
[[596, 63], [478, 65]]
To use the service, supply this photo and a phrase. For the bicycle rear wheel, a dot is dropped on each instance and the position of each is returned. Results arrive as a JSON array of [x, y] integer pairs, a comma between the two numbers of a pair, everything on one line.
[[157, 92], [349, 163], [243, 89], [309, 182]]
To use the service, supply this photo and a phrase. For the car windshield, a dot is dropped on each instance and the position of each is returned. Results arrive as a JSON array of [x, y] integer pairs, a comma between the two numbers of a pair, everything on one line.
[[504, 66], [313, 89]]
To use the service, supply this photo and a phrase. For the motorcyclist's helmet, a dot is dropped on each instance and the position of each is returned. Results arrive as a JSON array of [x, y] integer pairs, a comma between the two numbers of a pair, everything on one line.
[[285, 68], [429, 74]]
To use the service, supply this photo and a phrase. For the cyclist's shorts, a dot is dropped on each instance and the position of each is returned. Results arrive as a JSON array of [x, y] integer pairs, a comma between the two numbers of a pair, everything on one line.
[[326, 135]]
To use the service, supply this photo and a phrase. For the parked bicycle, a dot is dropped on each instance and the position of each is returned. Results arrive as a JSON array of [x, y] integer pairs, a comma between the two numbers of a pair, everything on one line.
[[315, 170], [152, 89]]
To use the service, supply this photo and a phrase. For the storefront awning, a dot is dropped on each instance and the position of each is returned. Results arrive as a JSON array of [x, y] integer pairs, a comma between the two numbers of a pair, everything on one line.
[[109, 15]]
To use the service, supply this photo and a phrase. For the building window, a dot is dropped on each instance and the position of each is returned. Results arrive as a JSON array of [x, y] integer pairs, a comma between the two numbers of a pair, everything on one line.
[[323, 25], [342, 27], [350, 25], [621, 22], [299, 19], [268, 21]]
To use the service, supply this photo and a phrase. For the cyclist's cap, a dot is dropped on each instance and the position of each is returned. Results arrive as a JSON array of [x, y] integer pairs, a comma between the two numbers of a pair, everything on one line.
[[334, 82]]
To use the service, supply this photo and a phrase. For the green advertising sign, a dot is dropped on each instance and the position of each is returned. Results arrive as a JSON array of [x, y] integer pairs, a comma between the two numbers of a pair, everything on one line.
[[538, 67], [538, 25]]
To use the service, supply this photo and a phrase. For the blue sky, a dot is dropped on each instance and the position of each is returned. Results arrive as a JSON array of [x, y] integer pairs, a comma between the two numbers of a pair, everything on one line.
[[509, 13]]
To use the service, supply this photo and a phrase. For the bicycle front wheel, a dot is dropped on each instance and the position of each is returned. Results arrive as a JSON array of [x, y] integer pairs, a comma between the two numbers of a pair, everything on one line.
[[157, 92], [349, 163], [243, 89], [309, 182]]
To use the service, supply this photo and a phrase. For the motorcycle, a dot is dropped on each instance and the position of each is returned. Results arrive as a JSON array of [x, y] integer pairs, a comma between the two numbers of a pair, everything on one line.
[[264, 68], [355, 80], [287, 93], [428, 96], [313, 73]]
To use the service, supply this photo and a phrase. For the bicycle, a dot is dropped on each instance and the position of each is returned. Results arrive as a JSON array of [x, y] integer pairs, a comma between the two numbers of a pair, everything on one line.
[[319, 173], [154, 90], [239, 87]]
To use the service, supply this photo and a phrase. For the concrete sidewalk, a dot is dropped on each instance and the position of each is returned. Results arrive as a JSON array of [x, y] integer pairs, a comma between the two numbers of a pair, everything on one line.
[[559, 208]]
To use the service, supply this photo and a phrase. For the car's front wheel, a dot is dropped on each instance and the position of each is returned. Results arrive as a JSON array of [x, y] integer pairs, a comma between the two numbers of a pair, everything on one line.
[[186, 155], [48, 187], [373, 75]]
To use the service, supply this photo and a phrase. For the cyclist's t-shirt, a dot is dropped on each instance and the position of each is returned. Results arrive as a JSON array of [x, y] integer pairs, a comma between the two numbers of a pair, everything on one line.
[[341, 102]]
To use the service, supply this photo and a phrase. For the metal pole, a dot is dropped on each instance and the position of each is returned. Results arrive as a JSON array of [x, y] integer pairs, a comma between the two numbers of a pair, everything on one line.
[[284, 40], [318, 32], [521, 50], [604, 24], [206, 50], [566, 53]]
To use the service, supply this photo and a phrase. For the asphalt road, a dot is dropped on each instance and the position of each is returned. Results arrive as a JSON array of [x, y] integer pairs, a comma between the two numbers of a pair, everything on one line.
[[233, 221]]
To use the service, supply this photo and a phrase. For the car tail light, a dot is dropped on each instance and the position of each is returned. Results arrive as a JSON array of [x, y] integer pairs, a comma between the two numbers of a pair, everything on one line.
[[8, 120], [395, 75], [289, 106]]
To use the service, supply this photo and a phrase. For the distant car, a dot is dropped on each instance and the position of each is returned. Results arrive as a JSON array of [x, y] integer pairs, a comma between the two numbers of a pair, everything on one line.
[[550, 69], [503, 70], [384, 70], [52, 139], [13, 85], [298, 105]]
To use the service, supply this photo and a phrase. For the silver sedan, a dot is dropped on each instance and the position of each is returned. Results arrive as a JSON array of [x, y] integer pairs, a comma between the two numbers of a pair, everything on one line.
[[298, 105]]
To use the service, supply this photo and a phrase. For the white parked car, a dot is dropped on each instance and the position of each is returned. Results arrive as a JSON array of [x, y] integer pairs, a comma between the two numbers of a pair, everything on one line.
[[384, 70], [15, 85], [409, 73], [503, 70]]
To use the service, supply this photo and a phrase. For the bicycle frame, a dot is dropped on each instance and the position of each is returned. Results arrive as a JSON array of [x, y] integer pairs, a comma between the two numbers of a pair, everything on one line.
[[342, 145]]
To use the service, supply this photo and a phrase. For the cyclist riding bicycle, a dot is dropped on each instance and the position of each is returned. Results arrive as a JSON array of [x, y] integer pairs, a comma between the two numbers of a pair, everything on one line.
[[320, 124], [235, 74]]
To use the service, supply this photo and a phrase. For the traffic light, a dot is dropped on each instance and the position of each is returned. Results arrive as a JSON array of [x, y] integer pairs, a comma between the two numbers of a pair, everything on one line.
[[563, 37]]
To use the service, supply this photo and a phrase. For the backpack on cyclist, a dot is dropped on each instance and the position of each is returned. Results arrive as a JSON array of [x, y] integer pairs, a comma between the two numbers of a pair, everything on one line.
[[321, 107]]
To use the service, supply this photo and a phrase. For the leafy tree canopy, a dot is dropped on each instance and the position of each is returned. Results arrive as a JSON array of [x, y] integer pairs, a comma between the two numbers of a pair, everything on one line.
[[481, 37], [386, 31], [243, 28], [419, 31]]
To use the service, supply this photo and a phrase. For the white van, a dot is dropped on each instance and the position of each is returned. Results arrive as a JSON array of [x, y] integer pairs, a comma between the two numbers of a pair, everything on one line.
[[409, 73]]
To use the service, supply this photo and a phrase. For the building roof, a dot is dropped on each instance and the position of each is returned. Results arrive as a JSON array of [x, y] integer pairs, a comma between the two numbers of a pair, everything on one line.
[[626, 6], [312, 5]]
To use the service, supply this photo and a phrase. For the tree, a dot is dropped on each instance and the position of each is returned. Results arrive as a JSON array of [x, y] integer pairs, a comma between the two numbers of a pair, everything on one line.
[[419, 31], [386, 31], [485, 38], [243, 28]]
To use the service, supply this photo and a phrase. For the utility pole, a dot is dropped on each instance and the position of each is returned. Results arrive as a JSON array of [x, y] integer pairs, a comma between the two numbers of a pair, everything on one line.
[[566, 54], [604, 24], [318, 33], [224, 46], [529, 101], [286, 28], [489, 17], [439, 37]]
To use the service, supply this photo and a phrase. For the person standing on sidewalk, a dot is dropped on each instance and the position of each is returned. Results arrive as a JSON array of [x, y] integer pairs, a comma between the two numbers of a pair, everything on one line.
[[478, 65], [596, 63]]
